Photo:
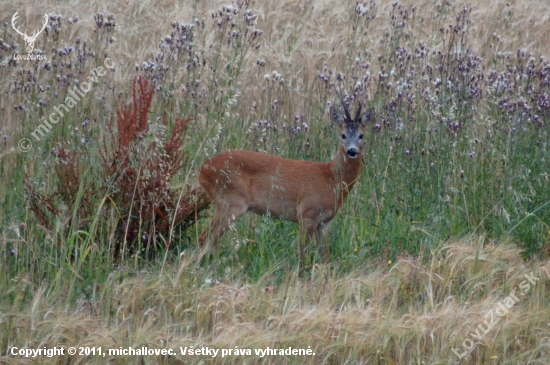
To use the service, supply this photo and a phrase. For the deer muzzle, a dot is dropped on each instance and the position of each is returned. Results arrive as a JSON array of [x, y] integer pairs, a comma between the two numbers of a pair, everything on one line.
[[352, 153]]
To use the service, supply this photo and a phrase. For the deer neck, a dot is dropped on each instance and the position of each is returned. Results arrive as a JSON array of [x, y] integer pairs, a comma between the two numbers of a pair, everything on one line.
[[345, 170]]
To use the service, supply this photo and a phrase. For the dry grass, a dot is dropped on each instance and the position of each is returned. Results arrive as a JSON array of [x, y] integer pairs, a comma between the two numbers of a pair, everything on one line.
[[407, 313], [298, 38], [141, 24]]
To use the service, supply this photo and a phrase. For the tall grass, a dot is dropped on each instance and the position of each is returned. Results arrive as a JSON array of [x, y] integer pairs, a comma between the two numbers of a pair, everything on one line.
[[458, 149]]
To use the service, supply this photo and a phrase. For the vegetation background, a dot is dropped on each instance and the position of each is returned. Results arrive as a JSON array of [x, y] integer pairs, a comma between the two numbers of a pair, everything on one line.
[[451, 211]]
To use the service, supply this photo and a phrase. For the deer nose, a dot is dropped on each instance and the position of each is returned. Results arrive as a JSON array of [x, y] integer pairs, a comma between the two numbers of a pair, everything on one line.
[[352, 153]]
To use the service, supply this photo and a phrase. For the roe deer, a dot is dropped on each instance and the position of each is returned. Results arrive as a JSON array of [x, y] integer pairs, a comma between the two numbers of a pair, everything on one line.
[[308, 193]]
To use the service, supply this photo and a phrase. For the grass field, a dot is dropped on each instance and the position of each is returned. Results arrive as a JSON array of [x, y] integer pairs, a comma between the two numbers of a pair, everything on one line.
[[440, 255]]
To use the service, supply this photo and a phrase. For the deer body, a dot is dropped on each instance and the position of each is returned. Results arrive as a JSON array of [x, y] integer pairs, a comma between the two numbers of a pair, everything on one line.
[[308, 193]]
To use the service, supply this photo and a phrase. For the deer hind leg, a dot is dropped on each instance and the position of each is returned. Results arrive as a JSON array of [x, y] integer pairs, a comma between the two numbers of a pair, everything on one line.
[[226, 213]]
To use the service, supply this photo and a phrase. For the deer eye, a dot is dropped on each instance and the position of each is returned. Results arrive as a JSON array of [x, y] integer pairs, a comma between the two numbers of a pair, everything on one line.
[[360, 136], [343, 136]]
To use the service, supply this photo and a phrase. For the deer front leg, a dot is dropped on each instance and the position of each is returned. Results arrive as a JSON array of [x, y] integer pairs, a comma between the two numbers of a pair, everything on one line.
[[226, 213], [323, 242], [308, 229], [319, 232]]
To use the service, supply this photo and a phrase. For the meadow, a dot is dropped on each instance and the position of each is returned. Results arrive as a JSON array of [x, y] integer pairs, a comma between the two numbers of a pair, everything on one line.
[[440, 254]]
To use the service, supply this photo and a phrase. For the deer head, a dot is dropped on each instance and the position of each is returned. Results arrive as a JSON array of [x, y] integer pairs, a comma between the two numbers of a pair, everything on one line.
[[29, 40], [351, 129]]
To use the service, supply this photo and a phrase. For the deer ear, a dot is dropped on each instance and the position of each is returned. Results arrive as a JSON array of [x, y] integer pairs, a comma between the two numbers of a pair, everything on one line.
[[337, 116], [367, 116]]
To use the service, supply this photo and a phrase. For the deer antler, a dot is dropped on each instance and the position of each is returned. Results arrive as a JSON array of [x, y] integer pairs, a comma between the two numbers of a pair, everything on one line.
[[348, 116], [358, 113]]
